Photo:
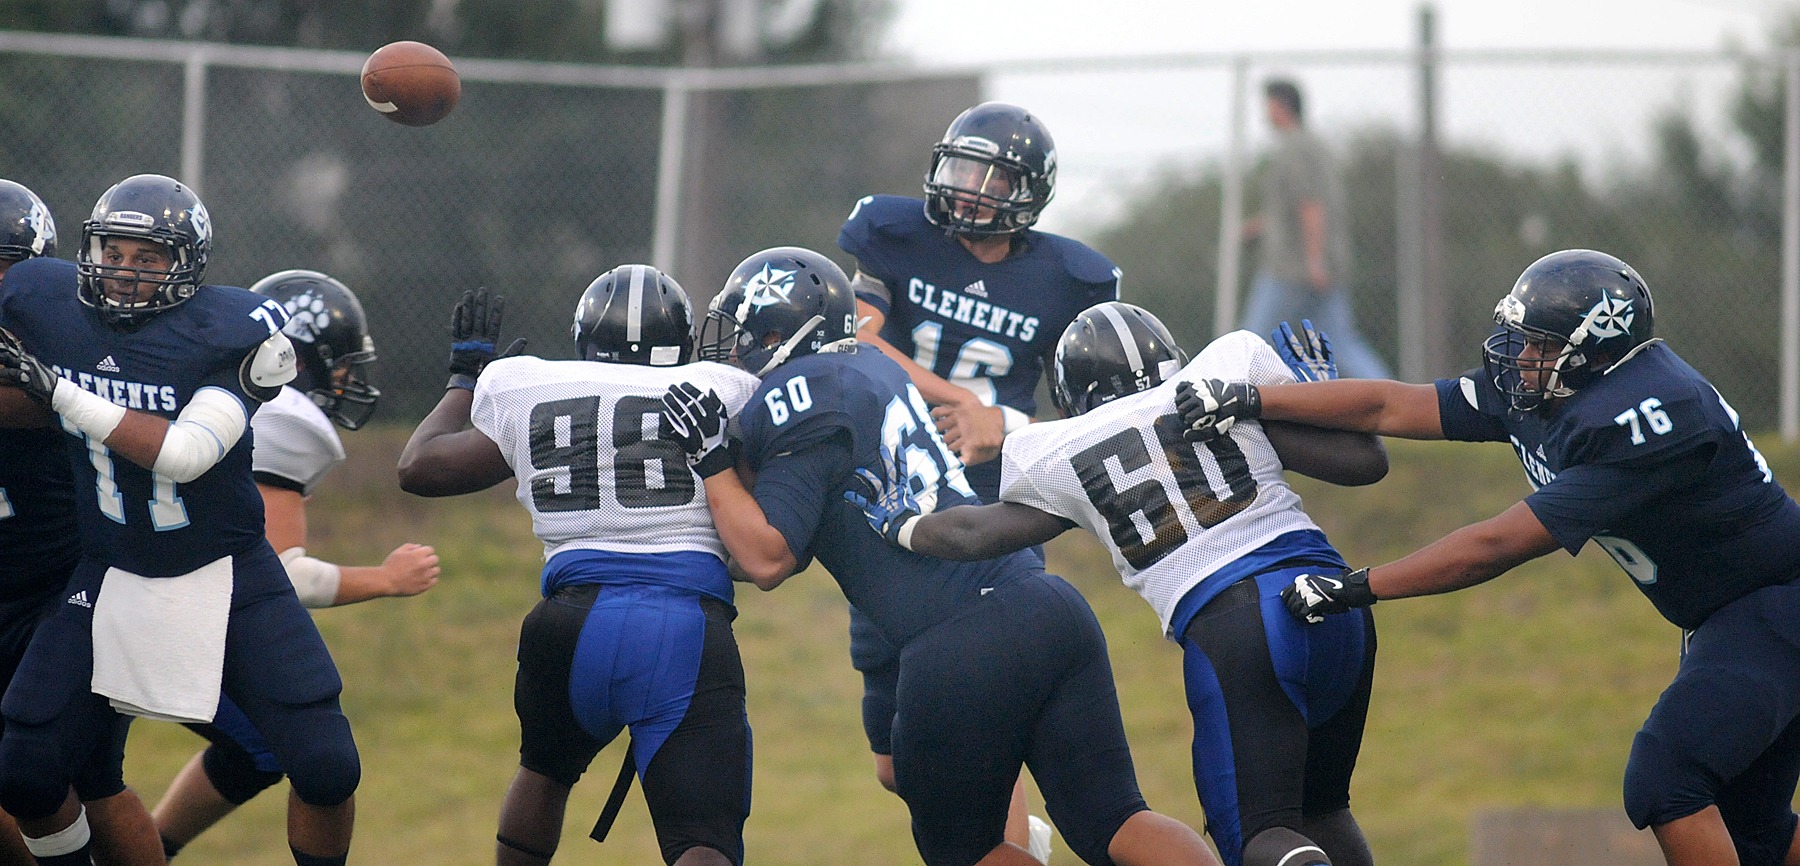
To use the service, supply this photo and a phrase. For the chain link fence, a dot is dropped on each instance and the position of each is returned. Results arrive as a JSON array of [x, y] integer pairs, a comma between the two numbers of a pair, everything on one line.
[[549, 174]]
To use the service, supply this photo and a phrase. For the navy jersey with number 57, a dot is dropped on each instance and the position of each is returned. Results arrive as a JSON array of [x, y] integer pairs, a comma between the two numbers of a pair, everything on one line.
[[811, 424], [131, 517], [1651, 463]]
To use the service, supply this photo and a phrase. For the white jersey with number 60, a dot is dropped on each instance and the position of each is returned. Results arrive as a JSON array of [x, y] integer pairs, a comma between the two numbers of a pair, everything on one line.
[[581, 437], [1170, 511]]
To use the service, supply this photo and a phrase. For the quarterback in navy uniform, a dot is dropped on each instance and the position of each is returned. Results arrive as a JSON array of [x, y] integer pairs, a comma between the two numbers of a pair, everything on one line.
[[296, 445], [1000, 664], [178, 597], [39, 547], [1626, 445], [635, 626], [1278, 708], [969, 299]]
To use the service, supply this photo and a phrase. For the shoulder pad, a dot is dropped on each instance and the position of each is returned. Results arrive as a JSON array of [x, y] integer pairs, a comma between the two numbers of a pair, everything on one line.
[[1084, 263], [774, 422], [268, 367], [889, 215]]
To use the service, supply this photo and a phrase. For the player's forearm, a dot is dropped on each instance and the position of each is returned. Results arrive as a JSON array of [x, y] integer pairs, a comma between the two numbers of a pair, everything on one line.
[[358, 583], [1471, 555], [973, 532], [758, 551], [427, 467], [1379, 406]]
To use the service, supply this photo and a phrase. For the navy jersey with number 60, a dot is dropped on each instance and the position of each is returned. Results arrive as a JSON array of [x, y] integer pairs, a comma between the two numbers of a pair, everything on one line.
[[813, 421], [130, 517], [1651, 463]]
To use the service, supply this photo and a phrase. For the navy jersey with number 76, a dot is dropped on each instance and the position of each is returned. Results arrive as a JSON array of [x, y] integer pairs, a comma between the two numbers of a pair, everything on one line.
[[1651, 463]]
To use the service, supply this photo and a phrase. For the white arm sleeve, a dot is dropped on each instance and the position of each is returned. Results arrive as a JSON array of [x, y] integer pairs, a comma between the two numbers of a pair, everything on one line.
[[315, 580], [207, 427]]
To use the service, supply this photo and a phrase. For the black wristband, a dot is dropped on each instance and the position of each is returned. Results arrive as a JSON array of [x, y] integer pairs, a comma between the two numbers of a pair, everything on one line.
[[1356, 589], [718, 461], [1253, 406], [460, 380]]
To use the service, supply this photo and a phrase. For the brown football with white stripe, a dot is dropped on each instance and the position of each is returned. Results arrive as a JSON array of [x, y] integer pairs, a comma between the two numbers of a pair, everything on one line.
[[411, 83]]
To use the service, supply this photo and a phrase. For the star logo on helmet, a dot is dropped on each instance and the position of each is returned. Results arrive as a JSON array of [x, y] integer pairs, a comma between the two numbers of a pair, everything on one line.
[[1610, 318], [771, 285]]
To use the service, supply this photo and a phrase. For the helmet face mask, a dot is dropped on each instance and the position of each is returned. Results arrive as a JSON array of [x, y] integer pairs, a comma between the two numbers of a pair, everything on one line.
[[1571, 317], [634, 314], [149, 209], [992, 174], [26, 227], [1111, 350], [779, 304], [331, 338]]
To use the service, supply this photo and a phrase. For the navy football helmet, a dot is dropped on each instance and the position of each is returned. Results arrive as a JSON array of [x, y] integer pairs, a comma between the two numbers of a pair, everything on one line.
[[26, 229], [1111, 350], [778, 304], [331, 340], [992, 174], [634, 314], [147, 207], [1571, 317]]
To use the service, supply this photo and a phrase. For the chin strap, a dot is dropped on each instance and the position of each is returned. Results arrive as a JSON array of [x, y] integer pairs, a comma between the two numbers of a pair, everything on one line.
[[616, 800]]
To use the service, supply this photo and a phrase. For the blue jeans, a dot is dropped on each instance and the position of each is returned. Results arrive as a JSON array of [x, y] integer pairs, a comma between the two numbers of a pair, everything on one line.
[[1274, 301]]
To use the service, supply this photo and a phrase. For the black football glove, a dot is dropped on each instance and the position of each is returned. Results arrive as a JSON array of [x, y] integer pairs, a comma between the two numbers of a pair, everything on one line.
[[474, 336], [888, 505], [696, 420], [1307, 353], [1312, 597], [1210, 408], [23, 370]]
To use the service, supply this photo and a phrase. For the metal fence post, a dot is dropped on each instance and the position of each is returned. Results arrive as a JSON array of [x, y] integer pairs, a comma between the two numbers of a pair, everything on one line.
[[1790, 254], [193, 119], [668, 172], [1231, 209]]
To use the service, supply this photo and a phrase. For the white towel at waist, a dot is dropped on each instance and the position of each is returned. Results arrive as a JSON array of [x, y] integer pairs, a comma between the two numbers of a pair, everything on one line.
[[159, 642]]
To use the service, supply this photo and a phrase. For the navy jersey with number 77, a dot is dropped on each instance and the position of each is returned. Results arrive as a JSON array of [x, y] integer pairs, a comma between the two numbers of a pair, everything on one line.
[[811, 424], [130, 517]]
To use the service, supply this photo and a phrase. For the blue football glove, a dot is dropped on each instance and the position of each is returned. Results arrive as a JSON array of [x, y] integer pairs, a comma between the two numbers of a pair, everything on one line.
[[1209, 409], [1312, 597], [475, 336], [696, 421], [888, 505], [1307, 353]]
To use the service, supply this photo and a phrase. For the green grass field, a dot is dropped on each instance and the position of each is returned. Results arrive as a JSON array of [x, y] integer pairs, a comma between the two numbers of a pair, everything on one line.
[[1522, 692]]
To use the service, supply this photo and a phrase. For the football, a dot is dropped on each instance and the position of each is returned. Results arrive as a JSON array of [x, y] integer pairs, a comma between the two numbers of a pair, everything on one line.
[[410, 83]]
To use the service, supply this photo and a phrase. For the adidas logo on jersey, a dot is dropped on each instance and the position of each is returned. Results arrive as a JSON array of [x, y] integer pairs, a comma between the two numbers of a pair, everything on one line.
[[977, 289], [107, 365], [81, 598]]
